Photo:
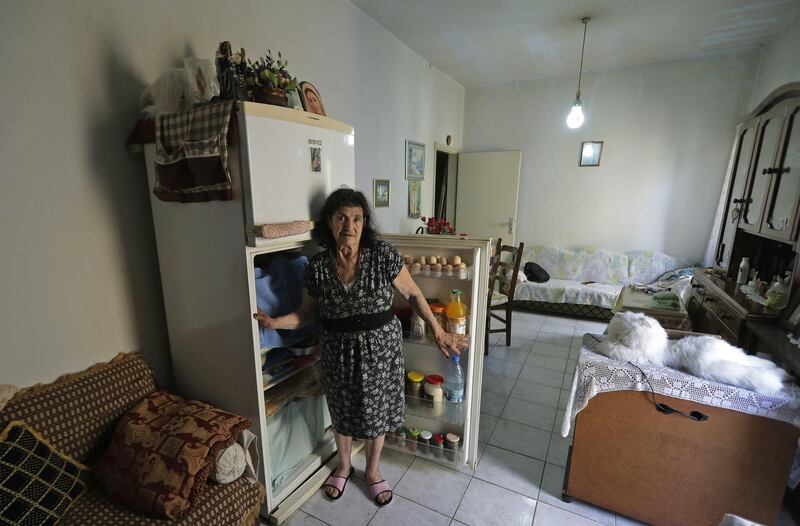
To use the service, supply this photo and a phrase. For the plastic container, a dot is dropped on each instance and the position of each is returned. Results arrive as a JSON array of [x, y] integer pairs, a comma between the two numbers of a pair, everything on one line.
[[744, 271], [456, 314]]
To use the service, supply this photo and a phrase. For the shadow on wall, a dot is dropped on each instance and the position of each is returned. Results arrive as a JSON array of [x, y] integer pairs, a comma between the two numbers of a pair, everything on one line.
[[122, 179]]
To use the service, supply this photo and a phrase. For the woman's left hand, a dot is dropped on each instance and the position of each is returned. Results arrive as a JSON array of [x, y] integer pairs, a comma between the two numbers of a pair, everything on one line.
[[448, 342]]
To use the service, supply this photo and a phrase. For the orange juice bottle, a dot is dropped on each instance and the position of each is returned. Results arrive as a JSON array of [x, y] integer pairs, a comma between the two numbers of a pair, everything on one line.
[[456, 314]]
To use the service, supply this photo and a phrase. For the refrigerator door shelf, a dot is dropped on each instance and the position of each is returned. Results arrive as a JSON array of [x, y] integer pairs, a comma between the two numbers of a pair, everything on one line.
[[430, 452], [465, 275], [445, 411]]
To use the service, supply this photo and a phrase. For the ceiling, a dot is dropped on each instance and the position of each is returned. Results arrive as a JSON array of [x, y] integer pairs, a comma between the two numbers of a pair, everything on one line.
[[486, 42]]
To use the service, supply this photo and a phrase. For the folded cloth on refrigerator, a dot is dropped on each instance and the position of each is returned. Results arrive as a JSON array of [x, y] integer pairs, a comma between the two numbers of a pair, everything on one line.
[[276, 230], [279, 291], [192, 154]]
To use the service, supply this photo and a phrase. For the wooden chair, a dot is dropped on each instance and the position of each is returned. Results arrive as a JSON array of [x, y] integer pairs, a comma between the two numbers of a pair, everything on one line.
[[504, 272]]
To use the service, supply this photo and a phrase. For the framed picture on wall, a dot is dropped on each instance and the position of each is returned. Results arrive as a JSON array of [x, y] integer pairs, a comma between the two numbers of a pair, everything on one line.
[[590, 153], [414, 198], [415, 161], [380, 192]]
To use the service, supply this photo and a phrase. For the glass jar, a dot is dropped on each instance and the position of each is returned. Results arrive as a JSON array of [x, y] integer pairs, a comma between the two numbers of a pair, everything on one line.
[[434, 394], [425, 440], [439, 312], [413, 438], [438, 445], [452, 443], [414, 388]]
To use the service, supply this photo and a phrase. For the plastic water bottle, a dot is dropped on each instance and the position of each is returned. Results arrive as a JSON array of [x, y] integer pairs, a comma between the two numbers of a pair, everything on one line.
[[454, 381]]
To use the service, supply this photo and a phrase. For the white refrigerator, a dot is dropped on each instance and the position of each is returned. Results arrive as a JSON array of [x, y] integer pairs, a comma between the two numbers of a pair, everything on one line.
[[208, 254]]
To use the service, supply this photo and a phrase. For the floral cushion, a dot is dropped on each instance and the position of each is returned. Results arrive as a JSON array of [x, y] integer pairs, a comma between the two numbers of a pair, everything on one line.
[[645, 266], [580, 264], [569, 291], [162, 451]]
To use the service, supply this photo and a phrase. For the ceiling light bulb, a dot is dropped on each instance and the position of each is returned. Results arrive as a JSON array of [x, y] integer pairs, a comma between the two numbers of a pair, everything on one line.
[[575, 117]]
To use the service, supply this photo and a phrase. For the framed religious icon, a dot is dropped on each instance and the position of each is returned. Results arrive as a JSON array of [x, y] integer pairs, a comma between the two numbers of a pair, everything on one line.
[[380, 192], [590, 153], [415, 160]]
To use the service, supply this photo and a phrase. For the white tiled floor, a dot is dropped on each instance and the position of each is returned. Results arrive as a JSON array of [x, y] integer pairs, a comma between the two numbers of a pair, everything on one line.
[[521, 468]]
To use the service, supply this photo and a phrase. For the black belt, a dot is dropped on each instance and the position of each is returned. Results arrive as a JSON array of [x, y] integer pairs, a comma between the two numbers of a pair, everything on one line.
[[361, 322]]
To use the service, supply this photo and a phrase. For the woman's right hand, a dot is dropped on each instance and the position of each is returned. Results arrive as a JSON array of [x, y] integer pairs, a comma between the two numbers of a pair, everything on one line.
[[264, 320]]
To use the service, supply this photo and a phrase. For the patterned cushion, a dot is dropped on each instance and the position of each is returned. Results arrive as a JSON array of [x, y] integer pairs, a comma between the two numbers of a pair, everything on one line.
[[498, 299], [77, 412], [37, 482], [162, 452], [646, 265], [234, 504]]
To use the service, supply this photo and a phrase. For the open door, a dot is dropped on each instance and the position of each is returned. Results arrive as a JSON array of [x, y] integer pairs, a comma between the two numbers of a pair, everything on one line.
[[487, 190]]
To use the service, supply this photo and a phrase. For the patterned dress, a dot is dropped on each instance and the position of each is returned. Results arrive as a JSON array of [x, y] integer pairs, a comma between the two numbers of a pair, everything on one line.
[[362, 372]]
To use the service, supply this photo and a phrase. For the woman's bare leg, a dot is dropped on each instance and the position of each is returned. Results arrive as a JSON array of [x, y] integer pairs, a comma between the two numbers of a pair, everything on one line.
[[373, 472], [343, 443]]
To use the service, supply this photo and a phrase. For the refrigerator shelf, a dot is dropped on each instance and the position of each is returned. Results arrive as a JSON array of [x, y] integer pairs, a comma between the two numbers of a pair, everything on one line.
[[445, 411], [454, 276], [427, 340], [412, 447]]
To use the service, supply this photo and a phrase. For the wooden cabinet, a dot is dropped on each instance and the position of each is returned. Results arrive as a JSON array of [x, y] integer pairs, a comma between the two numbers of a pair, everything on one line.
[[717, 307], [772, 190], [780, 219], [761, 194], [742, 155]]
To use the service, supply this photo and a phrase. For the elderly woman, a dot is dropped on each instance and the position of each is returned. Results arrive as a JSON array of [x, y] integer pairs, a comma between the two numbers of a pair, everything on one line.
[[350, 288]]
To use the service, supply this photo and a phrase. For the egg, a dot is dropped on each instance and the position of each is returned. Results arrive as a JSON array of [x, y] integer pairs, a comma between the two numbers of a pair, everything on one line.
[[443, 260], [432, 260], [415, 268], [456, 260], [462, 265], [448, 268], [423, 260], [437, 267]]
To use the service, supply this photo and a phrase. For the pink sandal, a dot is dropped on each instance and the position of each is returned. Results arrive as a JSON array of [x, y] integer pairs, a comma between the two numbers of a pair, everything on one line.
[[337, 483], [379, 488]]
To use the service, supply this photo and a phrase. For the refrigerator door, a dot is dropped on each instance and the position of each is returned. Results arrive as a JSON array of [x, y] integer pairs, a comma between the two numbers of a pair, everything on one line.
[[476, 288], [291, 160]]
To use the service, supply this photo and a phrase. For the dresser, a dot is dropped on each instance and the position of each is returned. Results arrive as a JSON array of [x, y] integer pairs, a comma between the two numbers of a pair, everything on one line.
[[717, 307]]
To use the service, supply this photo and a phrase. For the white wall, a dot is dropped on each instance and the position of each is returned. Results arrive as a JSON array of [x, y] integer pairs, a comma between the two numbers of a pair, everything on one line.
[[667, 129], [779, 62], [79, 274]]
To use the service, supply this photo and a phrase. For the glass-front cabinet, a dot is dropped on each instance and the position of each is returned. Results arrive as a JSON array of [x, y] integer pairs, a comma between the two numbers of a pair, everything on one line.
[[780, 218], [769, 135], [771, 196], [743, 154]]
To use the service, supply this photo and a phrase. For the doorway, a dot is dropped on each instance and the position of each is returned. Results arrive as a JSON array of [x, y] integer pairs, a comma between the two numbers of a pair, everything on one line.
[[444, 194]]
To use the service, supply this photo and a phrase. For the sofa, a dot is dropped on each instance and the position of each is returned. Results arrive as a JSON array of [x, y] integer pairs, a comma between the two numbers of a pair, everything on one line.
[[586, 281], [77, 414]]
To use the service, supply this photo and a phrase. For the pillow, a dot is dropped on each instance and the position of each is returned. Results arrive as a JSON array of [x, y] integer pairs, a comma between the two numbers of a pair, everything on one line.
[[162, 452], [230, 465], [38, 484], [535, 273]]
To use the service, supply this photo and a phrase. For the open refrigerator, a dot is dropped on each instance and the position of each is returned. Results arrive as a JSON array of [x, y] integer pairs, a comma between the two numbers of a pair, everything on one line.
[[210, 256]]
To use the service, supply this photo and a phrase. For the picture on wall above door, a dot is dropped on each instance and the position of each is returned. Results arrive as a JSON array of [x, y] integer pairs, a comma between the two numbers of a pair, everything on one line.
[[414, 198], [415, 160], [380, 192], [590, 153]]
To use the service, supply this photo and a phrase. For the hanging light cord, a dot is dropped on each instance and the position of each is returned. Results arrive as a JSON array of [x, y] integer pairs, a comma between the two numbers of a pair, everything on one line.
[[585, 21]]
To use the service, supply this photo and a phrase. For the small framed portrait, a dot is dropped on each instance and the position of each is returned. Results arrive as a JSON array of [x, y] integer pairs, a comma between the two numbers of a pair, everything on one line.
[[315, 152], [590, 153], [414, 198], [380, 192], [415, 161], [311, 99]]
